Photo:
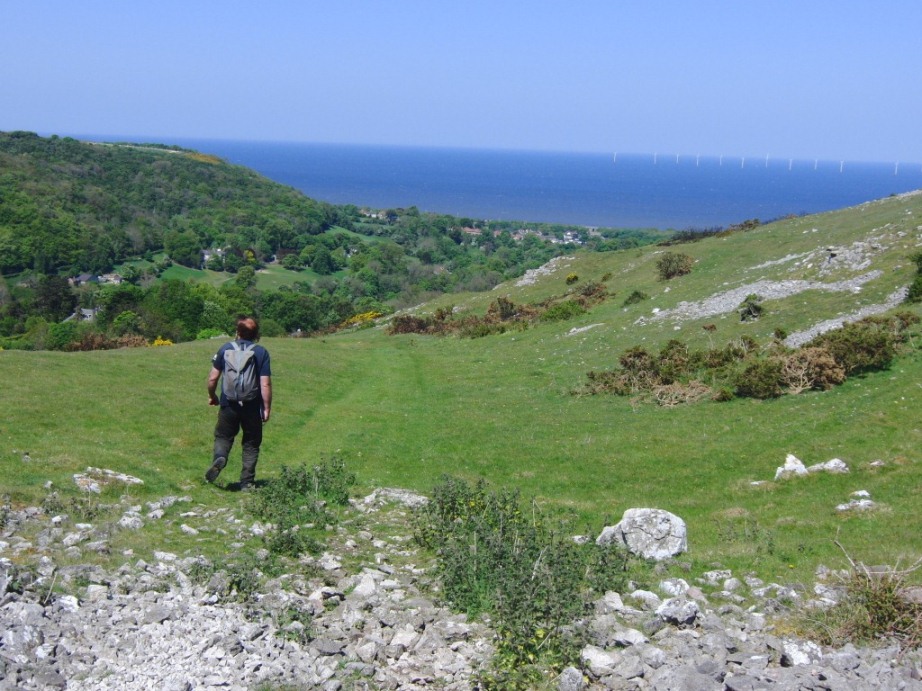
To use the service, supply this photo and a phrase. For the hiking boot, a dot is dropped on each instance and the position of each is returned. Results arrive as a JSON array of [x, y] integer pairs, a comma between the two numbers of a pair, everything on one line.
[[212, 473]]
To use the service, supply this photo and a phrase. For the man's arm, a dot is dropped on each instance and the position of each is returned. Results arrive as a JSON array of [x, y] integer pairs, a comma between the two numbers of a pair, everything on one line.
[[213, 377], [265, 388]]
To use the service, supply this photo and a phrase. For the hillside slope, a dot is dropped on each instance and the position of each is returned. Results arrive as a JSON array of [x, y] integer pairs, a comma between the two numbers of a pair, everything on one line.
[[403, 410]]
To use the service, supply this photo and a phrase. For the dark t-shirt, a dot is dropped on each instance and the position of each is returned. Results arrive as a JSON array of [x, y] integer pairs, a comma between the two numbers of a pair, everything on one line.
[[262, 365]]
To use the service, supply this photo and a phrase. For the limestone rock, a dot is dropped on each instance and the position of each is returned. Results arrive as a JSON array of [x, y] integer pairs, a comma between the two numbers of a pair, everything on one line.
[[650, 533], [792, 467]]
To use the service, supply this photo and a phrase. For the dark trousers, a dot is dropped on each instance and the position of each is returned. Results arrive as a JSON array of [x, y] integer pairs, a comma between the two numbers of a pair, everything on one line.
[[231, 419]]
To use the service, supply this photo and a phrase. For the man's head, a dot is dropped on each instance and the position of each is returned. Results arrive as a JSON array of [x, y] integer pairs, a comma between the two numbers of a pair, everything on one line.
[[247, 329]]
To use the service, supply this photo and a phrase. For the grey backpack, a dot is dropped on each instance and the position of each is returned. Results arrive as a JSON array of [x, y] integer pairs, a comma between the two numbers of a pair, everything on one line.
[[241, 381]]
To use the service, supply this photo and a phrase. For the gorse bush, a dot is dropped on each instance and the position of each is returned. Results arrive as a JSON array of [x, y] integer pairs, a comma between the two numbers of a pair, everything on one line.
[[915, 288], [502, 315], [760, 379], [563, 311], [869, 344], [499, 557], [810, 368], [678, 374]]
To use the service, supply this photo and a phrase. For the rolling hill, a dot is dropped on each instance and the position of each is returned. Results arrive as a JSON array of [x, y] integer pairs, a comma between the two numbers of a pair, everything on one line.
[[404, 410]]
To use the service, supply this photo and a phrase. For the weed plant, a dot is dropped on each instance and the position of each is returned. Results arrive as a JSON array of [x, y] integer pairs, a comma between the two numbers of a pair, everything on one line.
[[297, 504], [876, 609], [498, 557]]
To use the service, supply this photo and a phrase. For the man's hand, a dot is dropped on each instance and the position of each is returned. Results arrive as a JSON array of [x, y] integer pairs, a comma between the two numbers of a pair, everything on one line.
[[212, 385]]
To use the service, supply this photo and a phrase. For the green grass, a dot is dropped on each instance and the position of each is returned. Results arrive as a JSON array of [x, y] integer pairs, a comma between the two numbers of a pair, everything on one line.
[[403, 411], [271, 277]]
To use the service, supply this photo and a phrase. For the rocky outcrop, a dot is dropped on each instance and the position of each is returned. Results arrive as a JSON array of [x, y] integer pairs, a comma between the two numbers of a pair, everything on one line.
[[377, 624]]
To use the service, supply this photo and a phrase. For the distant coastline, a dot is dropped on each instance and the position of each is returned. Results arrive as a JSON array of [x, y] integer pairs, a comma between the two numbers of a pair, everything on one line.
[[608, 190]]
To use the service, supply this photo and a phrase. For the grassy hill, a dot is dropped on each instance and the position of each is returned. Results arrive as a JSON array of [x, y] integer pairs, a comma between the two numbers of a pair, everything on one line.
[[403, 410]]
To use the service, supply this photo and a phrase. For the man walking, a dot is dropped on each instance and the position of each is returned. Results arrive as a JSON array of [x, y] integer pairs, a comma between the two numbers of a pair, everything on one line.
[[245, 401]]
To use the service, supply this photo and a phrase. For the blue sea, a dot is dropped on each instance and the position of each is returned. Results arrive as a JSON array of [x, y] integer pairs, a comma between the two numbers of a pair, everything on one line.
[[610, 190]]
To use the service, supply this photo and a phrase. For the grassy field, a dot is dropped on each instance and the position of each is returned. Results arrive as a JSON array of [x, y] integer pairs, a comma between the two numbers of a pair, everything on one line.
[[404, 410]]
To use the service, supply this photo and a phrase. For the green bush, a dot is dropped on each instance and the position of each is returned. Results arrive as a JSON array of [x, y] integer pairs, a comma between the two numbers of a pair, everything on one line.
[[862, 346], [296, 503], [496, 556], [562, 311], [761, 379], [635, 297], [674, 362], [673, 264]]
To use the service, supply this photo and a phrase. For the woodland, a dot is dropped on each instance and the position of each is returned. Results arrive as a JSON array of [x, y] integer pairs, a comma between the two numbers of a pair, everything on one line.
[[105, 245]]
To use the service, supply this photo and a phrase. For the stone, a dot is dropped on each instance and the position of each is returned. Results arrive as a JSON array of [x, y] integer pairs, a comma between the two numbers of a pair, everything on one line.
[[836, 465], [792, 467], [678, 611], [571, 679], [651, 533], [800, 653], [599, 662]]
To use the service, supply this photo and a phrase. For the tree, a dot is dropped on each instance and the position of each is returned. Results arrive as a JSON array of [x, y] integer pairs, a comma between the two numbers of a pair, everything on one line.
[[183, 247], [245, 278], [322, 261], [54, 298], [291, 262]]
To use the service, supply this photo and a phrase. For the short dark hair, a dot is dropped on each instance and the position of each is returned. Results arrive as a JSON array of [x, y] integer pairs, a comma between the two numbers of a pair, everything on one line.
[[247, 329]]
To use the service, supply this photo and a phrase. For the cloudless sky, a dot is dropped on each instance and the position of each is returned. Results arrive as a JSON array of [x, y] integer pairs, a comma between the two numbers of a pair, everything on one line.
[[829, 79]]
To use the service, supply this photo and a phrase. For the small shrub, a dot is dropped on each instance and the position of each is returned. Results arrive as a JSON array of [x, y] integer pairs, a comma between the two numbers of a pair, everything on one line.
[[297, 501], [862, 346], [750, 309], [670, 395], [502, 309], [571, 279], [875, 610], [635, 297], [672, 264], [562, 311], [496, 556], [810, 368], [761, 379], [161, 342], [674, 362], [408, 324], [593, 291], [363, 320], [481, 329]]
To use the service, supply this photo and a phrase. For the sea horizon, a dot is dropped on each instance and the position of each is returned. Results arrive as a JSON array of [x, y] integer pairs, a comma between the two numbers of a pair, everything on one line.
[[614, 189]]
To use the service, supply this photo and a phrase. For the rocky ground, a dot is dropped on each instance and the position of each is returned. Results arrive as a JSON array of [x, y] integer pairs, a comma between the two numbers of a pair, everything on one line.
[[367, 617]]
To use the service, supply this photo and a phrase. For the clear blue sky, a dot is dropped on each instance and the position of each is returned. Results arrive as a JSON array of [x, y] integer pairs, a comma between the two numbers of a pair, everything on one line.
[[830, 79]]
